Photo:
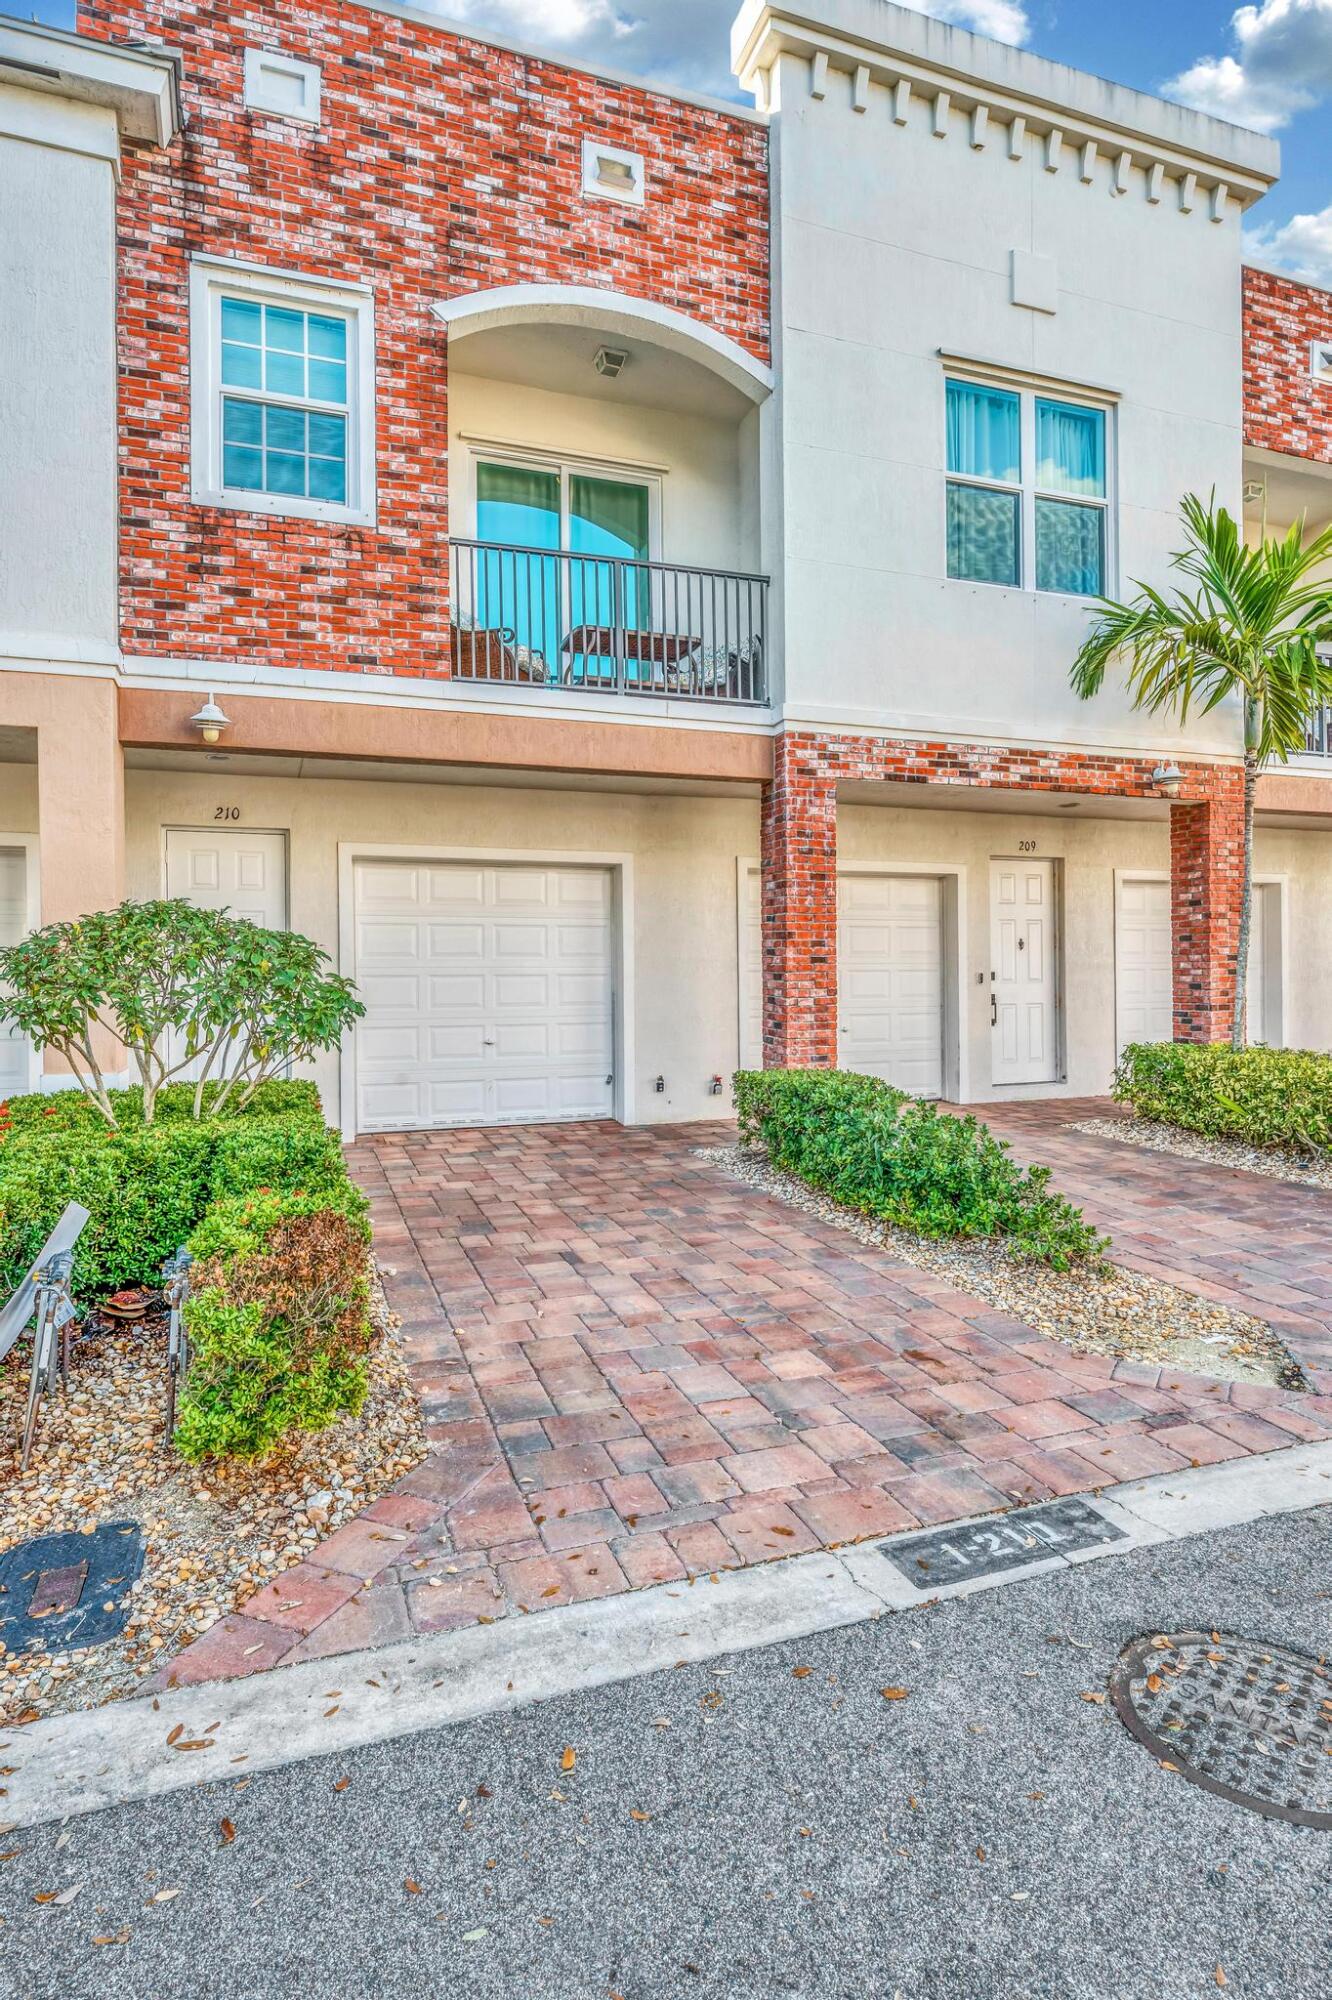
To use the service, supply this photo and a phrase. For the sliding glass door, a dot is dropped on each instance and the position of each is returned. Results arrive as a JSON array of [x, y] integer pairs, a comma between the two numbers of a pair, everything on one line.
[[563, 606]]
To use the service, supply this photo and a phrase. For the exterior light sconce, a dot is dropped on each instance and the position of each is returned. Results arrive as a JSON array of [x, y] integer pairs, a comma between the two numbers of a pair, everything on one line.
[[210, 721], [1168, 778], [610, 361]]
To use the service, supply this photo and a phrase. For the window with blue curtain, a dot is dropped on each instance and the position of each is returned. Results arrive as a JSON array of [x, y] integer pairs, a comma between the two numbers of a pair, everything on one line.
[[285, 401], [1027, 489], [1070, 532], [985, 451]]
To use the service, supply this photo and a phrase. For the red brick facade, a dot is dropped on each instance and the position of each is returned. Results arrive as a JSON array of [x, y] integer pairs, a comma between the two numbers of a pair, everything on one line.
[[800, 868], [441, 165], [1285, 409]]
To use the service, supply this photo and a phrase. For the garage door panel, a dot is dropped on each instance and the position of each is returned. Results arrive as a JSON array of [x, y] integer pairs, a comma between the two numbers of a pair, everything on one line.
[[890, 979], [1144, 996], [512, 1017], [380, 943], [455, 992], [455, 888]]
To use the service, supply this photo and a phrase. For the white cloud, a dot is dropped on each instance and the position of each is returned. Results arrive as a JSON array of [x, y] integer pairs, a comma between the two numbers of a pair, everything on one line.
[[1282, 65], [1302, 246], [679, 43]]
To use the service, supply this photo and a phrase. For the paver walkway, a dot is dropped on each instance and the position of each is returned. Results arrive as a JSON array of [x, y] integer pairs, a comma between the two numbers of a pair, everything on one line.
[[1260, 1245], [635, 1369]]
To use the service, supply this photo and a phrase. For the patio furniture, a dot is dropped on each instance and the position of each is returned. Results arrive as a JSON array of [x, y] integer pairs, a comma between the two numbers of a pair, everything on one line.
[[669, 654], [176, 1288], [44, 1294], [491, 653]]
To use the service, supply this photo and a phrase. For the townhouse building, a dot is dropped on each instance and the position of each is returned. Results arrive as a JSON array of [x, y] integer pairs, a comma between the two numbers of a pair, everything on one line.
[[606, 563]]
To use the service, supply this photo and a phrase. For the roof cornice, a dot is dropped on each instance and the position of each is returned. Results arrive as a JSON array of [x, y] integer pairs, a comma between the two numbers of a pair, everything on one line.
[[912, 54], [141, 86]]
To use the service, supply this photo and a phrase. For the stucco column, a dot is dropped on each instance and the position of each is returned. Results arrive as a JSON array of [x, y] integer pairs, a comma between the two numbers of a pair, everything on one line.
[[799, 909], [1206, 873], [80, 800]]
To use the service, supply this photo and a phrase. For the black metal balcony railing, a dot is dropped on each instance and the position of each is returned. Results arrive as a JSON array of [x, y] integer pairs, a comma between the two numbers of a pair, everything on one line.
[[609, 624]]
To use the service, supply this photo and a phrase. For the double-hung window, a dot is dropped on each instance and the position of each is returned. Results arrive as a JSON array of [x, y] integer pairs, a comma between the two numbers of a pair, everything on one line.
[[1027, 489], [283, 403]]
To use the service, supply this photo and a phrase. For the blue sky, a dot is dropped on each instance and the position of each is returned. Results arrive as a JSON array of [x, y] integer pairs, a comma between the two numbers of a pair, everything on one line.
[[1268, 64]]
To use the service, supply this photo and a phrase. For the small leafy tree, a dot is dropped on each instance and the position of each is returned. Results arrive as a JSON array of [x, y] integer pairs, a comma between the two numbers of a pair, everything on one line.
[[1249, 623], [180, 987]]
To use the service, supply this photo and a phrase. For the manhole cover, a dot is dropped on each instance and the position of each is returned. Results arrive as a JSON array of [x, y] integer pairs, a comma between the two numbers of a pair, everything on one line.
[[1250, 1722], [67, 1590]]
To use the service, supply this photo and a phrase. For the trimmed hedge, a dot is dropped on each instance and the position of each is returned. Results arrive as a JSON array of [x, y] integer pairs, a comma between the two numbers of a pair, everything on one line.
[[278, 1318], [278, 1321], [1264, 1097], [71, 1111], [894, 1156]]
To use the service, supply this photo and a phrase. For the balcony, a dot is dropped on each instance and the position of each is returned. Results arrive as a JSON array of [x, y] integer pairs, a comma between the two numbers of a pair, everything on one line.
[[531, 617]]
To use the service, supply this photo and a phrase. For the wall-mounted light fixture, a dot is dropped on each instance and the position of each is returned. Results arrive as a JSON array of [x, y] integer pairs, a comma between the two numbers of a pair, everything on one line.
[[210, 721], [610, 361], [1168, 778]]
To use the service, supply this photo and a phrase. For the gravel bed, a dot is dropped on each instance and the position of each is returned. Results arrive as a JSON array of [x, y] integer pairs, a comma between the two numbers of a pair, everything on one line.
[[1277, 1164], [1096, 1310], [214, 1533]]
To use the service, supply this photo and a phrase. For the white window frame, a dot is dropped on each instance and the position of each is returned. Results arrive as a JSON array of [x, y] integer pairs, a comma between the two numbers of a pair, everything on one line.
[[307, 74], [568, 467], [1029, 393], [212, 278]]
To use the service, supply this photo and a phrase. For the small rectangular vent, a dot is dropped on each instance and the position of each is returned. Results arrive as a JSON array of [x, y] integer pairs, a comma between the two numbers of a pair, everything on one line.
[[1320, 361], [612, 174]]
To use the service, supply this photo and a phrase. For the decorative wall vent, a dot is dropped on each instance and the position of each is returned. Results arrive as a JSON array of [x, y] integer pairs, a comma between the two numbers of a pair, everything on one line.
[[612, 174], [282, 86], [1320, 361]]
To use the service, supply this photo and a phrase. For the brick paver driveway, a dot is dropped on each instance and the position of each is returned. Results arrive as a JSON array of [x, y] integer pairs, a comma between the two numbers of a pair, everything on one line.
[[635, 1370]]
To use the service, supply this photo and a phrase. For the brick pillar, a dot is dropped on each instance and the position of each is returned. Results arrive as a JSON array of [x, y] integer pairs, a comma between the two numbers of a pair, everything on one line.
[[1206, 870], [799, 909]]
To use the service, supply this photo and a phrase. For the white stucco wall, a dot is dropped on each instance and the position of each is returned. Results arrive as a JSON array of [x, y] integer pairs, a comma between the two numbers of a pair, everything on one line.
[[57, 380], [684, 849], [894, 244]]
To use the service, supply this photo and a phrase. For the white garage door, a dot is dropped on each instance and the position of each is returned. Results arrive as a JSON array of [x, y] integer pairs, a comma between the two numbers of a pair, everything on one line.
[[890, 979], [13, 922], [488, 994], [1144, 1000]]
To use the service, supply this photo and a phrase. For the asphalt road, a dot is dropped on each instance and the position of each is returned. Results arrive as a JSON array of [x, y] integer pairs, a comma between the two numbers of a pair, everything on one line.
[[743, 1830]]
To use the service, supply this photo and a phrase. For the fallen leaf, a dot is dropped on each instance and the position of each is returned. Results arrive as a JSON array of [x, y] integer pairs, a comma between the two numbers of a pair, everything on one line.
[[569, 1759], [112, 1937], [783, 1531], [176, 1733], [895, 1694], [228, 1831], [800, 1673], [470, 1937], [980, 1854], [634, 1813], [1154, 1683], [551, 1590], [163, 1895], [1220, 1977], [341, 1784], [1092, 1696], [412, 1888]]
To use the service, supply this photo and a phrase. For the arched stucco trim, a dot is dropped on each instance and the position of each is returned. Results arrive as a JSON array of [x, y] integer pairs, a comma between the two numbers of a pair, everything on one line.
[[614, 313]]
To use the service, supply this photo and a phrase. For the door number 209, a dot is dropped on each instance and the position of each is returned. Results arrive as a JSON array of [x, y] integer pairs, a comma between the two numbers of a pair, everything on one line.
[[1026, 847]]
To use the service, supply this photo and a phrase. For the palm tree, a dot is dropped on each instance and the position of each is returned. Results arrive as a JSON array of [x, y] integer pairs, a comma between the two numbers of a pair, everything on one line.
[[1248, 622]]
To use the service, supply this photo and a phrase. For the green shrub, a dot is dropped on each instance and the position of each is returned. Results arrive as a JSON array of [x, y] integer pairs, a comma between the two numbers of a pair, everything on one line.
[[279, 1324], [274, 1153], [72, 1111], [144, 1191], [893, 1156], [241, 1224], [1265, 1097]]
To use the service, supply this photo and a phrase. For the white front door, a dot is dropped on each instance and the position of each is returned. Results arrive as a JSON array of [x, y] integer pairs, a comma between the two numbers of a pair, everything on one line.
[[1023, 984], [227, 869], [14, 1063], [1144, 976], [890, 979], [488, 993]]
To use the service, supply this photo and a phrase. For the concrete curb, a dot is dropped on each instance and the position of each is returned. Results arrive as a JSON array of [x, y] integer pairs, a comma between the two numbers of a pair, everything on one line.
[[107, 1756]]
